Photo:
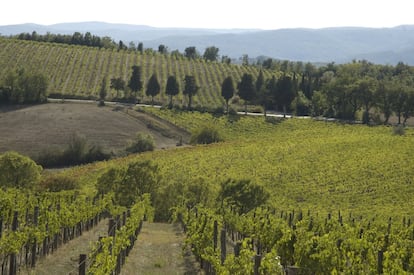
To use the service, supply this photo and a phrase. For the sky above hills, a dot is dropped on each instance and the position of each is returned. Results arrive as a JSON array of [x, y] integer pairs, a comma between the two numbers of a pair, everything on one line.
[[221, 14]]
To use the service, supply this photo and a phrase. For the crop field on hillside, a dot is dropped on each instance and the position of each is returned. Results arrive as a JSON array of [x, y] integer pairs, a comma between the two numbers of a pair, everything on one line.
[[305, 164], [78, 70], [339, 195]]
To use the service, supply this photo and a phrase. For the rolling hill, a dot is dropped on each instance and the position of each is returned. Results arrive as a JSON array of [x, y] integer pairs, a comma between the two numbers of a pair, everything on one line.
[[340, 45], [35, 130], [79, 70]]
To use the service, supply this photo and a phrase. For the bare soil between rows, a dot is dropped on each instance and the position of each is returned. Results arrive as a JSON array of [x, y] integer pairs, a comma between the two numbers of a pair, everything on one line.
[[159, 250], [65, 260]]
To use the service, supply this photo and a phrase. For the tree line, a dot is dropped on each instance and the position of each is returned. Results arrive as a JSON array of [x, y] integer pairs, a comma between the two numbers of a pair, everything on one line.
[[356, 90], [20, 87], [90, 40], [153, 87], [76, 38]]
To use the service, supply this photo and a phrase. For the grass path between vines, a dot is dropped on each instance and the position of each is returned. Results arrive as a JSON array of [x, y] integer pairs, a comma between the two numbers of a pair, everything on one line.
[[159, 250], [66, 258]]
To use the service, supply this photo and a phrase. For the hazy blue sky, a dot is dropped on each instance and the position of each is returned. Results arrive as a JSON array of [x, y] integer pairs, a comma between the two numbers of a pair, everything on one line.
[[263, 14]]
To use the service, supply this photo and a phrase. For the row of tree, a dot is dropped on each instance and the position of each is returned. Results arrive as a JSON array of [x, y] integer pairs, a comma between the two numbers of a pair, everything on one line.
[[340, 91], [23, 87], [153, 87], [88, 39], [76, 38], [210, 53]]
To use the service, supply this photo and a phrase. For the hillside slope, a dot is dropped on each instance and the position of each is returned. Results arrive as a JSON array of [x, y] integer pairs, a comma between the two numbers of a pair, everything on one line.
[[36, 129], [341, 44], [79, 70]]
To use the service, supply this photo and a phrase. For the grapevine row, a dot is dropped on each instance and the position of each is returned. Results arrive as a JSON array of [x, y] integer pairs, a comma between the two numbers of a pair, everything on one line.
[[109, 253], [79, 70], [268, 240], [36, 225], [207, 234]]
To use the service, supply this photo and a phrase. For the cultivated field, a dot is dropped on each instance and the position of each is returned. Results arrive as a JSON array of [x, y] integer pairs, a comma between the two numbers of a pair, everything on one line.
[[79, 70]]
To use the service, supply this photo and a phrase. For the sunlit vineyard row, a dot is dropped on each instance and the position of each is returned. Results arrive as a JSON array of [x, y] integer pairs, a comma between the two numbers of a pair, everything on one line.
[[305, 164], [340, 194], [37, 224], [79, 70]]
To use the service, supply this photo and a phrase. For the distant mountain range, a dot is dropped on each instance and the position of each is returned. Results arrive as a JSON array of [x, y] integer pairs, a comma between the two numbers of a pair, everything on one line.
[[339, 45]]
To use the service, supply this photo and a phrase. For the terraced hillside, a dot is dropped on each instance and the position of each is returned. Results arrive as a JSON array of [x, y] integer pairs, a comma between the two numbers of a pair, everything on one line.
[[79, 70]]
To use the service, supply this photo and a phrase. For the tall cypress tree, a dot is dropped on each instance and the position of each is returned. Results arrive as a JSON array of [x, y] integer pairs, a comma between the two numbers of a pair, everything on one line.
[[190, 88], [172, 88], [103, 92], [135, 83], [246, 89], [153, 87], [227, 90]]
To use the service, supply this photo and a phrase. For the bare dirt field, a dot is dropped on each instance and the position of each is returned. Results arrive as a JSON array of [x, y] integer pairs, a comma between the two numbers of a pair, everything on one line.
[[31, 130]]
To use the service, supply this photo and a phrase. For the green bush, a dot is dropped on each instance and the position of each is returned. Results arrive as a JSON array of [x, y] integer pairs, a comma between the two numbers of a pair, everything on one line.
[[142, 143], [398, 130], [206, 134], [244, 195], [129, 183], [274, 120], [78, 151], [18, 171]]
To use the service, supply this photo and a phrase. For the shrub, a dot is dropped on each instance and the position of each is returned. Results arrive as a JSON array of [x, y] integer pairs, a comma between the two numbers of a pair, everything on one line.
[[78, 151], [218, 111], [77, 147], [274, 120], [130, 183], [206, 134], [244, 195], [49, 158], [301, 105], [94, 153], [398, 130], [232, 111], [18, 171], [109, 180], [142, 143], [255, 109]]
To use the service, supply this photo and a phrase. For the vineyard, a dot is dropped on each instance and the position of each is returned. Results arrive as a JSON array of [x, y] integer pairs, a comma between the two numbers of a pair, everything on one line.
[[78, 71], [33, 226], [274, 196], [340, 195]]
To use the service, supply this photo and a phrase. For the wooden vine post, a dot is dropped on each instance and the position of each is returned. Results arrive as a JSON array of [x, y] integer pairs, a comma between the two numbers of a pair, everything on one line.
[[215, 235], [82, 264], [13, 263], [35, 224], [223, 245]]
